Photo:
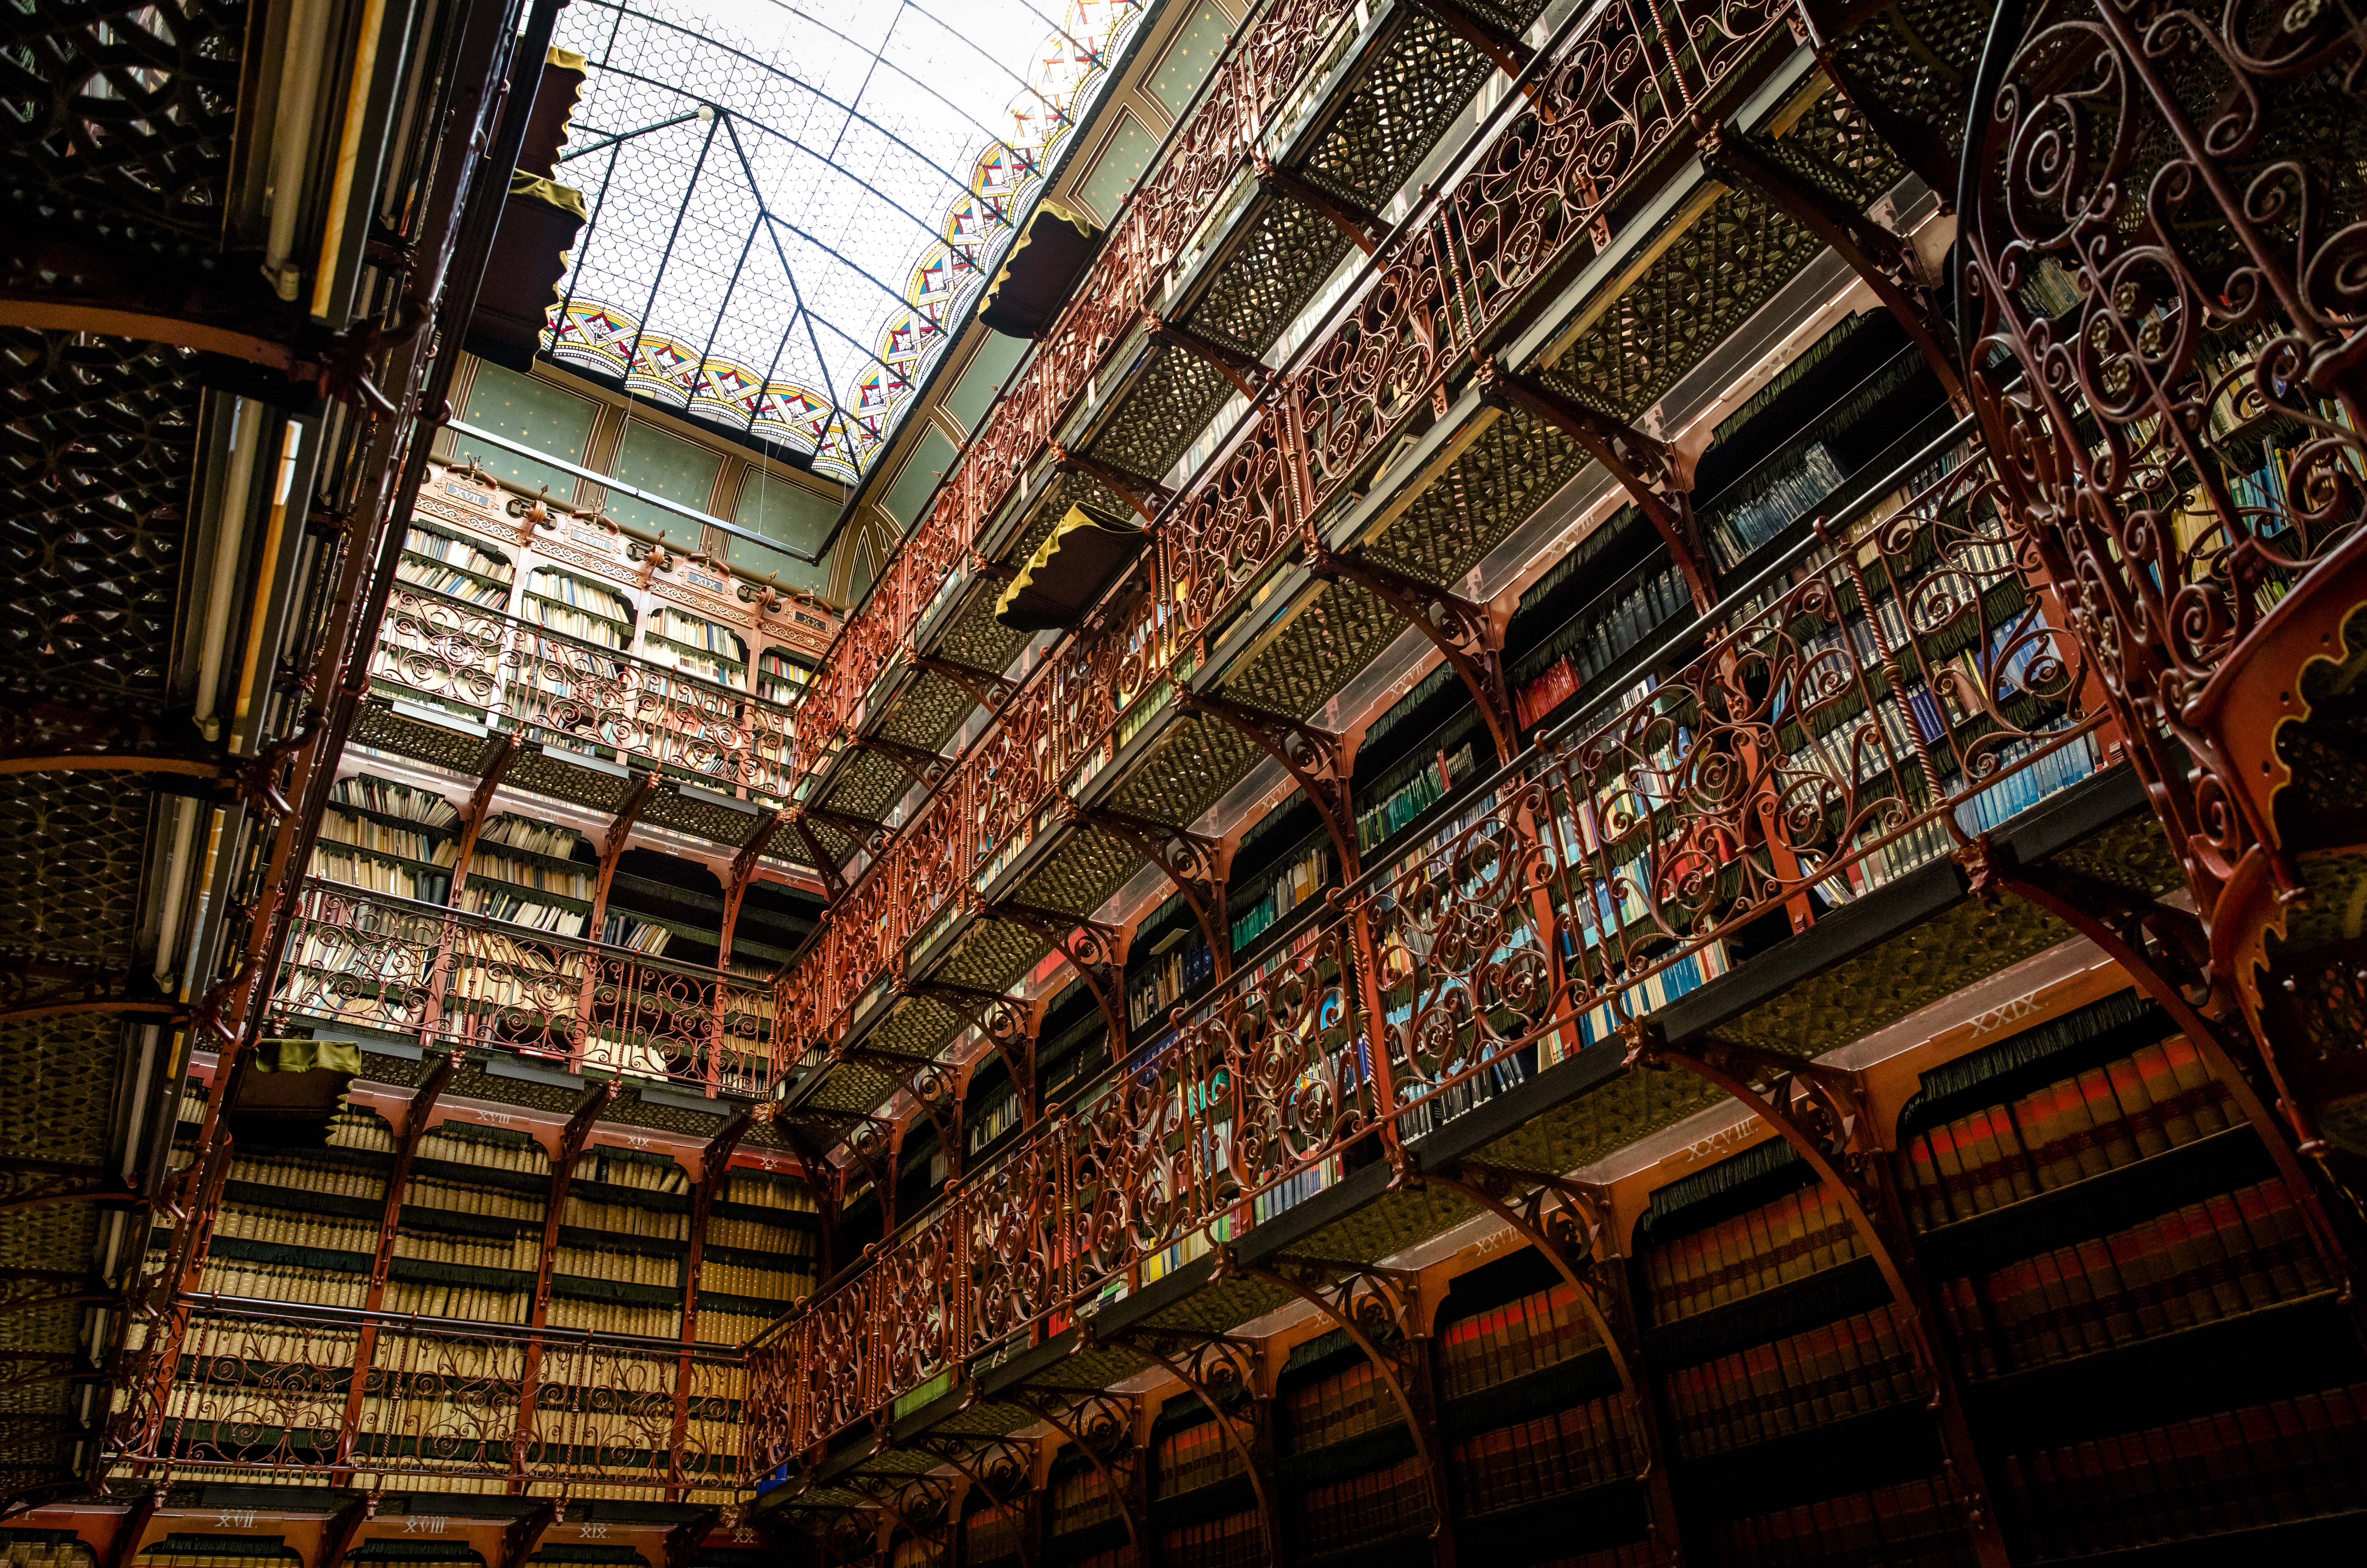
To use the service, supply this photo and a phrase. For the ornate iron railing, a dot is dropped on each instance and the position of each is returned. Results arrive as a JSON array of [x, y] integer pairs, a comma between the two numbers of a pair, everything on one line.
[[263, 1390], [449, 978], [1866, 706], [1614, 93], [495, 667], [1210, 154]]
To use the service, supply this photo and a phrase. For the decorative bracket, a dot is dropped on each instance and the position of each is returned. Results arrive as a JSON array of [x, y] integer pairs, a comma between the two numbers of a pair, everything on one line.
[[525, 1533], [1378, 1309], [1008, 1026], [1570, 1225], [1193, 865], [2165, 952], [1647, 469], [923, 767], [1499, 44], [1883, 261], [1821, 1111], [612, 850], [1317, 760], [1144, 496], [1366, 230], [1101, 1426], [1096, 952], [683, 1541], [1222, 1374], [743, 872], [1231, 363], [833, 885], [1463, 632], [986, 688]]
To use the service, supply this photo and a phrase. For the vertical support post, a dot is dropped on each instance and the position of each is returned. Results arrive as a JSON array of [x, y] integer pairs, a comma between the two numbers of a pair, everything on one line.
[[563, 1173], [714, 1170], [481, 803], [398, 1181]]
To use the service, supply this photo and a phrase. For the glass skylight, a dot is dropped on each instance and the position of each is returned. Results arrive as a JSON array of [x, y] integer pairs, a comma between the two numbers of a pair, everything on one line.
[[793, 201]]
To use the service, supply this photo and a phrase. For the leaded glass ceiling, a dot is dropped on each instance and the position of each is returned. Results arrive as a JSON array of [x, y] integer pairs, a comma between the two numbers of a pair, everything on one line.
[[792, 200]]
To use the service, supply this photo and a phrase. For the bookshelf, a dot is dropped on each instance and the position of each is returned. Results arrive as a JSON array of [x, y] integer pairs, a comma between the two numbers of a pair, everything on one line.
[[760, 1256], [1271, 895], [386, 838], [2140, 1322], [993, 1534], [470, 1235], [44, 1549], [459, 568], [695, 646], [576, 607], [782, 677]]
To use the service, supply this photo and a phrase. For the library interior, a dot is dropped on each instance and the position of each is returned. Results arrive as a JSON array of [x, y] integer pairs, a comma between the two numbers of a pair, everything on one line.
[[1545, 783]]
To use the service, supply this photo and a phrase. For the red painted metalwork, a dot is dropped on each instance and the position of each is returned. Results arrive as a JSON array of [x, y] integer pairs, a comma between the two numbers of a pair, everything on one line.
[[583, 694], [1809, 744], [2168, 362], [452, 979], [1451, 279]]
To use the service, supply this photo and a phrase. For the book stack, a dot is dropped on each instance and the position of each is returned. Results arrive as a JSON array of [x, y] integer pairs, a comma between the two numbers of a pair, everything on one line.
[[1080, 1500], [1236, 1541], [2286, 1459], [519, 1252], [574, 607], [36, 1549], [301, 1287], [780, 678], [992, 1119], [473, 1303], [909, 1551], [350, 1129], [2150, 1101], [1194, 1457], [635, 936], [992, 1534], [1600, 636], [310, 1231], [1328, 1410], [2233, 1252], [615, 1317], [1915, 1525], [2026, 785], [1797, 1234], [1292, 886], [1182, 967], [694, 646], [1363, 1509], [1403, 799], [1544, 1457], [1783, 492], [445, 565], [1828, 1373], [1538, 1330]]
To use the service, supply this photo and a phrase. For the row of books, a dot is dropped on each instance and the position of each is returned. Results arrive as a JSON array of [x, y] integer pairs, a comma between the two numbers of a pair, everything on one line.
[[635, 936], [1685, 973], [1789, 491], [566, 589], [367, 833], [615, 1317], [1804, 1380], [2287, 1459], [1541, 1329], [518, 873], [1602, 640], [717, 1326], [992, 1533], [2141, 1105], [350, 1129], [1427, 786], [1366, 1509], [621, 1267], [764, 1189], [2231, 1253], [434, 544], [1194, 1457], [521, 1253], [1545, 1456], [461, 1143], [1917, 1524], [457, 1198], [1181, 967], [575, 623], [691, 632], [1237, 1541], [301, 1287], [1327, 1409], [755, 1235], [30, 1553], [1301, 879], [1080, 1499], [756, 1284], [372, 793], [992, 1119], [2025, 787], [1796, 1234], [282, 1228], [625, 1218], [438, 578], [373, 875], [301, 1175], [512, 831], [498, 903], [627, 1167]]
